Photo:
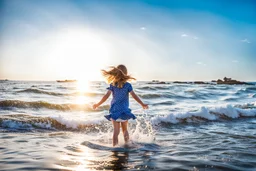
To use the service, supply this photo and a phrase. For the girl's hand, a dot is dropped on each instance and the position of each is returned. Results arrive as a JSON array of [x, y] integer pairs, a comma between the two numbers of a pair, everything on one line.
[[144, 106], [95, 106]]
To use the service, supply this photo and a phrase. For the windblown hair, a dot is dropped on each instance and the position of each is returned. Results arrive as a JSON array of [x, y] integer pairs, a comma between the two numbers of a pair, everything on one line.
[[117, 76]]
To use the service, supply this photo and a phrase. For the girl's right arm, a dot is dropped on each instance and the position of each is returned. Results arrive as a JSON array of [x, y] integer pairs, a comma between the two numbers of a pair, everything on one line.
[[104, 98], [144, 106]]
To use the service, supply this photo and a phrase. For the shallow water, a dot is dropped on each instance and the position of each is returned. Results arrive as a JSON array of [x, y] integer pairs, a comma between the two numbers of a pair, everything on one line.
[[51, 126]]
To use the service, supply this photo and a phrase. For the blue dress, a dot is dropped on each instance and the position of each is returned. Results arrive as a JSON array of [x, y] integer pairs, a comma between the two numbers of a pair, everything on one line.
[[120, 103]]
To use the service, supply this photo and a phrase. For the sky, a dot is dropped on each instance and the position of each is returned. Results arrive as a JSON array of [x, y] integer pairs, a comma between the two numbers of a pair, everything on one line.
[[156, 39]]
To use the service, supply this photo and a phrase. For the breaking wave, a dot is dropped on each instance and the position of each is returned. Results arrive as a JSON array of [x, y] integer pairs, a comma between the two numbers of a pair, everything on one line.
[[28, 122], [208, 114], [226, 113], [37, 91], [6, 104], [153, 88]]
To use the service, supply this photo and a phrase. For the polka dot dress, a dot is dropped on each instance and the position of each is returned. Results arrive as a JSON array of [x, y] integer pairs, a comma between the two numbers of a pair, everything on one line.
[[120, 103]]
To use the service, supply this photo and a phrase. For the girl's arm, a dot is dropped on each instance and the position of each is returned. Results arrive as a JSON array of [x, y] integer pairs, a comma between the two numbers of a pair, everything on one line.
[[144, 106], [104, 98]]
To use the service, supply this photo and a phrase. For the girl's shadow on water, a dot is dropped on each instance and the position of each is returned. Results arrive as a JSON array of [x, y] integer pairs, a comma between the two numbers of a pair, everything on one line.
[[140, 158], [118, 161]]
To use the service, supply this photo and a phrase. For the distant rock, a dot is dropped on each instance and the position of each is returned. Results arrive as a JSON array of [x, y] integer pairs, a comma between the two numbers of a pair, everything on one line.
[[225, 80], [229, 81], [4, 80], [157, 82], [200, 82], [65, 81], [192, 82], [182, 82]]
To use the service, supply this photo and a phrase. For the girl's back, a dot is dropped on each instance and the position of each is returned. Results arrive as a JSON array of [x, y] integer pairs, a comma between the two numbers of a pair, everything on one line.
[[120, 95]]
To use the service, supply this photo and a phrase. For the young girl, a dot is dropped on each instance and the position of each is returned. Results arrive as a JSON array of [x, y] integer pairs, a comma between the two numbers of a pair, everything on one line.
[[119, 110]]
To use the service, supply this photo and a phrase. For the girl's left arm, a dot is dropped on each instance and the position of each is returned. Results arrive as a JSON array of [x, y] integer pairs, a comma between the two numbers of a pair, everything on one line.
[[104, 98]]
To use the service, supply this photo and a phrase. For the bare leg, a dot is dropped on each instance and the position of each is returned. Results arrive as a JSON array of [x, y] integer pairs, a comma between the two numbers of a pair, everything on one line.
[[125, 131], [116, 132]]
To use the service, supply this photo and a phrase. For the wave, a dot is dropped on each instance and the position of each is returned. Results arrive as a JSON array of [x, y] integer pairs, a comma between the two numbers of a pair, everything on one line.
[[191, 90], [29, 122], [146, 88], [37, 91], [208, 114], [150, 96], [203, 95], [142, 131], [230, 99], [190, 94], [246, 90], [163, 103], [42, 104], [162, 95], [251, 88], [153, 88], [65, 88], [225, 113]]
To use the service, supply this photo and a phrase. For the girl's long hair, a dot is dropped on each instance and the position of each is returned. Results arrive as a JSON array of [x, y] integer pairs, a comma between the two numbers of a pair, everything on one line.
[[117, 76]]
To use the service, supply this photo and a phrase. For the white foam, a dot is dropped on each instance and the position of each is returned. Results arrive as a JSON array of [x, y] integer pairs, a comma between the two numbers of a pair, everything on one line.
[[247, 112], [203, 112], [228, 111], [168, 118], [207, 113], [174, 117], [74, 123]]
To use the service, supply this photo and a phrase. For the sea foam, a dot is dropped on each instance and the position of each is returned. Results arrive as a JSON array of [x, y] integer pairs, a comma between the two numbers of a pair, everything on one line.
[[210, 114]]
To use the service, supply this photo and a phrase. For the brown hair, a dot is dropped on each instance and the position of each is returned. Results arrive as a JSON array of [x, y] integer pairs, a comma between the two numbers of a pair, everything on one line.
[[117, 76]]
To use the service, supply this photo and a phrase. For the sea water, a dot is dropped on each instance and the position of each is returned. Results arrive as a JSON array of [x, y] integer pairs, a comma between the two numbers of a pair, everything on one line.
[[52, 126]]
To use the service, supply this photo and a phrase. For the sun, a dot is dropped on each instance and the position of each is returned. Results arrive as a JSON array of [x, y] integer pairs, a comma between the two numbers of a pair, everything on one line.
[[79, 53], [83, 85]]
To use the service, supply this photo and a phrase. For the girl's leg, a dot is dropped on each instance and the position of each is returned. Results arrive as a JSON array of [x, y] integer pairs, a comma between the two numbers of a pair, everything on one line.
[[116, 126], [125, 131]]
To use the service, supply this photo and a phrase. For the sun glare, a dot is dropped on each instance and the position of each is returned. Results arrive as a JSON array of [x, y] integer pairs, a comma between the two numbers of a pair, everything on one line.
[[82, 85], [79, 53]]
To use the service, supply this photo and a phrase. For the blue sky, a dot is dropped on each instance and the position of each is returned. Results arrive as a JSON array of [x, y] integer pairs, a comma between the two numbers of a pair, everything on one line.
[[165, 40]]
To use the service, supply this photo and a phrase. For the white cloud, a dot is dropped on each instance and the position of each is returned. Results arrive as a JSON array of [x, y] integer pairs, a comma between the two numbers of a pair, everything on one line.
[[184, 35], [143, 28], [245, 41], [201, 63]]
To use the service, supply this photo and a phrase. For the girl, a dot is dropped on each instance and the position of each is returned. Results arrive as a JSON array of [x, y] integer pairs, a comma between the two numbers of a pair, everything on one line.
[[119, 110]]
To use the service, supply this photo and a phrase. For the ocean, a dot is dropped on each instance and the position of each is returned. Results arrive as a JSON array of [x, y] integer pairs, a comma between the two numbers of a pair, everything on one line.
[[52, 126]]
